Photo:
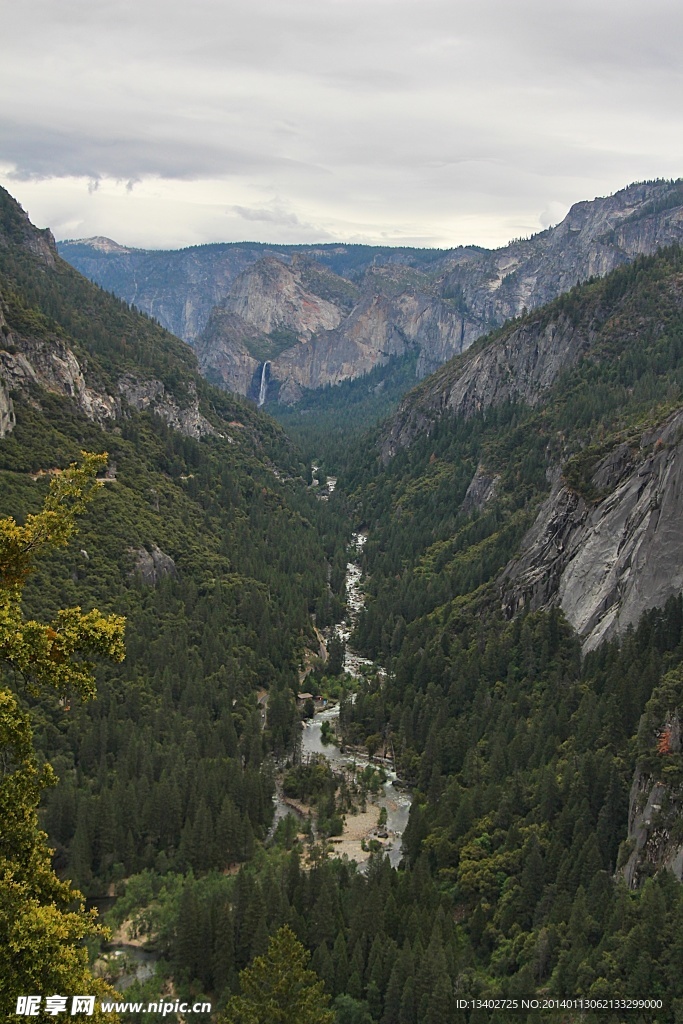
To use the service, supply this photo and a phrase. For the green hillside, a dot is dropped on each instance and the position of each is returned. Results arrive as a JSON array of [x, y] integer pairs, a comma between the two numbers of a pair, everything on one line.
[[166, 767]]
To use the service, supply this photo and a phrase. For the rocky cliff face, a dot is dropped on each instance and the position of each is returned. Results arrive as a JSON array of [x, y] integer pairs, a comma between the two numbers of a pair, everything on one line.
[[356, 306], [522, 365], [607, 563], [271, 296], [655, 819], [151, 396], [49, 364], [223, 353], [152, 565], [179, 289]]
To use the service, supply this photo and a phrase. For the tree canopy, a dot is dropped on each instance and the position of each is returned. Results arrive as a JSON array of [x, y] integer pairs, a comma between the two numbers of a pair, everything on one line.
[[42, 919], [278, 988]]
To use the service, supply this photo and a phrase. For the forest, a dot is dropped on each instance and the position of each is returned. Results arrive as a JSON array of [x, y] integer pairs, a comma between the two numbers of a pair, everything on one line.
[[520, 750]]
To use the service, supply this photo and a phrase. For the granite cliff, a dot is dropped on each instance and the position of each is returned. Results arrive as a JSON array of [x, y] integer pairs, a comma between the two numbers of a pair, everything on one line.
[[605, 542], [323, 314], [607, 562]]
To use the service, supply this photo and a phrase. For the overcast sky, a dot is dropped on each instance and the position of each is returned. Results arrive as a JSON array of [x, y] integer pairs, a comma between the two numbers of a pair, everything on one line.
[[162, 123]]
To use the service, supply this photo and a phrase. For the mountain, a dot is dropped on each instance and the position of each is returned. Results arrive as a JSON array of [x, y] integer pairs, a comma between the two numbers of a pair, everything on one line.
[[319, 315], [180, 288], [524, 574], [603, 544], [203, 534]]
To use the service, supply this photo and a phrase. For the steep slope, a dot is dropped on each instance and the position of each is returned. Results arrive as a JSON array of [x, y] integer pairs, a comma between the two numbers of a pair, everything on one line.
[[203, 535], [524, 573], [567, 423], [430, 302]]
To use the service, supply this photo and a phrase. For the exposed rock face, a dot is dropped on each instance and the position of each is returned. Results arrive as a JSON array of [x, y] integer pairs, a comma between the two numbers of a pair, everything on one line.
[[271, 296], [650, 846], [380, 326], [49, 364], [153, 565], [481, 491], [523, 365], [592, 240], [151, 395], [179, 289], [53, 366], [8, 419], [606, 564], [655, 819], [438, 302], [223, 355]]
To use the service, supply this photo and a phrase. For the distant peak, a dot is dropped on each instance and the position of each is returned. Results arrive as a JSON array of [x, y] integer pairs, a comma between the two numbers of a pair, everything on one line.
[[100, 243]]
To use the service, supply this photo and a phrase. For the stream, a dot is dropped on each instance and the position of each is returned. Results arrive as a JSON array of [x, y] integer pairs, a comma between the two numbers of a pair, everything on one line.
[[396, 800]]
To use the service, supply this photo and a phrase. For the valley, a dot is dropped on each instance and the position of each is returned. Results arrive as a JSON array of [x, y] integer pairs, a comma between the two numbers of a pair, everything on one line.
[[483, 589]]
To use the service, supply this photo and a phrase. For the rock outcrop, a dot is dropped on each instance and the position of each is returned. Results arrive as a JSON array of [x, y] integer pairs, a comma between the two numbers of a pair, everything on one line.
[[8, 419], [53, 366], [655, 818], [271, 296], [153, 565], [481, 491], [607, 563], [223, 353], [522, 365], [49, 364], [151, 396]]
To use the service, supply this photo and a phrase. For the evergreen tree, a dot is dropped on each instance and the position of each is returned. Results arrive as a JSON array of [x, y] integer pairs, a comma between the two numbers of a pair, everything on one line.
[[278, 988]]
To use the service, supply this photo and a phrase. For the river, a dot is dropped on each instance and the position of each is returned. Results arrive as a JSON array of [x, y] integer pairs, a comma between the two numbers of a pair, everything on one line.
[[396, 800]]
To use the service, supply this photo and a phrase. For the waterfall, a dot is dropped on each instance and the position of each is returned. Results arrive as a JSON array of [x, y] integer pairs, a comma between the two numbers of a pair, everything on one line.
[[264, 384]]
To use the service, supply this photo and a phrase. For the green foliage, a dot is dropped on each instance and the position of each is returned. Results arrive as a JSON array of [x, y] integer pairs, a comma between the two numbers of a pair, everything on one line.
[[42, 919], [166, 767], [279, 989], [326, 421]]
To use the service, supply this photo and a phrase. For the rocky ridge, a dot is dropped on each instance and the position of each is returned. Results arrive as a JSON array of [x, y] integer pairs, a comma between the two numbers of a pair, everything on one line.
[[655, 819], [522, 365], [151, 396], [51, 365], [48, 364]]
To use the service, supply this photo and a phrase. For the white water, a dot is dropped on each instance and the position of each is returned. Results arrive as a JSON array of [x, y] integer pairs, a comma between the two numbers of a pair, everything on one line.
[[264, 384], [355, 600]]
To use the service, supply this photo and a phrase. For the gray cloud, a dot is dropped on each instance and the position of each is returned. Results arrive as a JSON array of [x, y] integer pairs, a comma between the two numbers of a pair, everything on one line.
[[362, 118]]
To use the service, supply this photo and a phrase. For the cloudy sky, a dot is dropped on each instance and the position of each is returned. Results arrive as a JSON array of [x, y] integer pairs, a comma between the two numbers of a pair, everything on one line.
[[162, 123]]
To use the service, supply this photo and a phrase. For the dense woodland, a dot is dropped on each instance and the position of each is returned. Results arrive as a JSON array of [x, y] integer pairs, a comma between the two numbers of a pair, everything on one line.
[[520, 752]]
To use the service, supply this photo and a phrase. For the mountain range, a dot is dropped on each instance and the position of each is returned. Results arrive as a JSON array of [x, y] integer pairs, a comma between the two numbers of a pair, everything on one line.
[[297, 318]]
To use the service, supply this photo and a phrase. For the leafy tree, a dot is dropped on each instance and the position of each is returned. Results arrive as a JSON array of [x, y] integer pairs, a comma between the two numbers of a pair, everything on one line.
[[277, 988], [42, 919]]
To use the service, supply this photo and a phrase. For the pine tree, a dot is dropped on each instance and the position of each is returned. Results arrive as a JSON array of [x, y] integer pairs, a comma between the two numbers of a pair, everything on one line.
[[278, 988]]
